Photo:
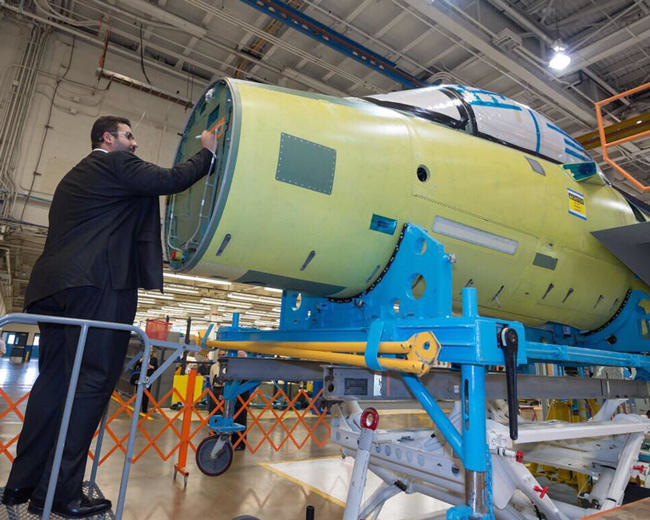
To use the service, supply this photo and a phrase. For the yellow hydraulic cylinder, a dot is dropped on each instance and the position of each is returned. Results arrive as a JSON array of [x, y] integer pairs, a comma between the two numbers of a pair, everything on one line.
[[421, 351]]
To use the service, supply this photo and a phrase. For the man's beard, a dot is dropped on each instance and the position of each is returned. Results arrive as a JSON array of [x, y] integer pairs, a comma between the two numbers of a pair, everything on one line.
[[120, 147]]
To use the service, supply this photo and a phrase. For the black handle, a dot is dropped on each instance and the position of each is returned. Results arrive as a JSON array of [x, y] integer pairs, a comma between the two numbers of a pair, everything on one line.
[[310, 513], [187, 342], [510, 345]]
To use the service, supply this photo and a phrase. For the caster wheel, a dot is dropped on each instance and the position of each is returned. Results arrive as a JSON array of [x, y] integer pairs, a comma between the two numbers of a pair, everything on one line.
[[213, 464]]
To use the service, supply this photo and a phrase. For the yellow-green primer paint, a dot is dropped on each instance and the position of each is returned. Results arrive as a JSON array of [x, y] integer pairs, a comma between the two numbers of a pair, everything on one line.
[[275, 225]]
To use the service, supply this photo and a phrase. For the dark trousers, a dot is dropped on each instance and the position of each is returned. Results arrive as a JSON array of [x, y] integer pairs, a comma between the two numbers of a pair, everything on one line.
[[100, 369]]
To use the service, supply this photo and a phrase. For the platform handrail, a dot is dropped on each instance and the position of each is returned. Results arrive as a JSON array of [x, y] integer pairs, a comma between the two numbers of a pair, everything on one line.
[[35, 319]]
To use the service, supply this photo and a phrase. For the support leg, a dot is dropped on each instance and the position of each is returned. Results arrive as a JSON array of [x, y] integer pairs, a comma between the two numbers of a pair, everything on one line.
[[474, 439]]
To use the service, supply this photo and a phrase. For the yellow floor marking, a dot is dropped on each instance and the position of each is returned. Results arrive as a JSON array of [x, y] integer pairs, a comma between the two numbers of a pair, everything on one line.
[[287, 461], [268, 465]]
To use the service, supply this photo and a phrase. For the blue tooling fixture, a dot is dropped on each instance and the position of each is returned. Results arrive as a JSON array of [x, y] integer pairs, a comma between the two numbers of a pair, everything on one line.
[[390, 311], [311, 27], [224, 423]]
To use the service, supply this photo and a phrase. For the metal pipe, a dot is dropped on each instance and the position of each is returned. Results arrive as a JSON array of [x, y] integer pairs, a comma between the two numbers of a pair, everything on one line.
[[65, 422], [8, 125], [359, 474], [475, 493], [474, 437], [448, 430], [629, 454], [377, 500], [146, 355], [473, 417], [26, 83], [403, 365], [358, 347], [607, 410], [98, 448]]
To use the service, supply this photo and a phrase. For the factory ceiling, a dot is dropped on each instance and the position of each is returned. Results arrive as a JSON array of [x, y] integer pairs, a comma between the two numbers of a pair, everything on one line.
[[370, 46]]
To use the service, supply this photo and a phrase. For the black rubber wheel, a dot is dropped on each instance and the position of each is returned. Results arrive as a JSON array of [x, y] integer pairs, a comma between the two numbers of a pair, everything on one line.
[[208, 465], [246, 517]]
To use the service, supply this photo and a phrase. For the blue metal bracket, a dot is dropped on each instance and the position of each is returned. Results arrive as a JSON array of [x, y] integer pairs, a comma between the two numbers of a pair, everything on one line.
[[629, 331], [233, 389], [372, 346], [221, 424], [206, 336]]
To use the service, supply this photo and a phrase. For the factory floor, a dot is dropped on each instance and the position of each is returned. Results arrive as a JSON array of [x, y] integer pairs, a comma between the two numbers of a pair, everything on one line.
[[268, 485]]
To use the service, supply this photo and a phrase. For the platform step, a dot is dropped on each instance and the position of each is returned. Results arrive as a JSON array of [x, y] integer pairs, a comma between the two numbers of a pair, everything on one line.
[[20, 512]]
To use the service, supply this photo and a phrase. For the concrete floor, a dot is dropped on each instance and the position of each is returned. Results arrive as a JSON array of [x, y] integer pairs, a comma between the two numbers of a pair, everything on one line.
[[249, 487]]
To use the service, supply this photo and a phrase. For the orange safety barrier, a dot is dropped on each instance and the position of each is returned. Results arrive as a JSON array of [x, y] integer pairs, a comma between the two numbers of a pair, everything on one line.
[[605, 145], [13, 407], [184, 433], [280, 420]]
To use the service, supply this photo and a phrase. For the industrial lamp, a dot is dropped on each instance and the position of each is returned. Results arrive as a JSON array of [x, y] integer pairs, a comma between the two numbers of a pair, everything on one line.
[[560, 59]]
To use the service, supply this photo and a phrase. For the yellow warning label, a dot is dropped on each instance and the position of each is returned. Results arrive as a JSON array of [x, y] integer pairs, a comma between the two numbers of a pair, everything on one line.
[[577, 204]]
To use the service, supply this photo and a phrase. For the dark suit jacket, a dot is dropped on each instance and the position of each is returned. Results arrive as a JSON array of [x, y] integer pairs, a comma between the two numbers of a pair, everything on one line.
[[105, 223]]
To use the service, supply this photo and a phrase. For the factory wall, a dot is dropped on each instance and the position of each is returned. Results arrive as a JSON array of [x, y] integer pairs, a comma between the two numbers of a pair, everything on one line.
[[79, 99]]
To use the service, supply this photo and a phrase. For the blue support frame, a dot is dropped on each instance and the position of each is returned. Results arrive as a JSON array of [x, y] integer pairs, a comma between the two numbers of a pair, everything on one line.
[[469, 340], [318, 31]]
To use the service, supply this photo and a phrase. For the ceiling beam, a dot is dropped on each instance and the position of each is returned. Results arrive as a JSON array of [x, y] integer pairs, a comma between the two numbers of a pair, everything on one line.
[[632, 126], [610, 45], [293, 49], [453, 24]]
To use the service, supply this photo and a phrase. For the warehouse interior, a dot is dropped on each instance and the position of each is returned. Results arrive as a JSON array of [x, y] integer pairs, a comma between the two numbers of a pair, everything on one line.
[[65, 63]]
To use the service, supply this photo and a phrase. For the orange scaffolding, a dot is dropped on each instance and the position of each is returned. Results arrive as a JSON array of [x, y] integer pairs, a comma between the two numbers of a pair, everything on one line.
[[635, 136]]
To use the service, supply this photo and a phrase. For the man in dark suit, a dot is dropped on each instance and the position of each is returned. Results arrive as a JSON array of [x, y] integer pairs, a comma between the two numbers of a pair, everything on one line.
[[103, 243]]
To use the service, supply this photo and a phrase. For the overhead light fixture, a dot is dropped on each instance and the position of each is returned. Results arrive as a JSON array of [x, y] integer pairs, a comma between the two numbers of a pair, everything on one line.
[[196, 278], [213, 301], [253, 298], [560, 59], [194, 305], [154, 295], [183, 290]]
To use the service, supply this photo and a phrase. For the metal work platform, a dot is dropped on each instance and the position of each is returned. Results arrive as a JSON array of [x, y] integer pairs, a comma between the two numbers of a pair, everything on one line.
[[143, 381], [20, 512]]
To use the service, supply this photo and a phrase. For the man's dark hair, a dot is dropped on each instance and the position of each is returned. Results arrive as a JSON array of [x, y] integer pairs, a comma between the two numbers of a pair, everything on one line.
[[105, 124]]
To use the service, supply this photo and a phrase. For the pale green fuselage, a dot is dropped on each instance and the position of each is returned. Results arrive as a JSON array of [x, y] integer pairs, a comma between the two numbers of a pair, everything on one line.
[[274, 224]]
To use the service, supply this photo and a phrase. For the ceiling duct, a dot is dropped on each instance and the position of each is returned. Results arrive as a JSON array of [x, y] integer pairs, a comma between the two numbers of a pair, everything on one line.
[[144, 87], [164, 16]]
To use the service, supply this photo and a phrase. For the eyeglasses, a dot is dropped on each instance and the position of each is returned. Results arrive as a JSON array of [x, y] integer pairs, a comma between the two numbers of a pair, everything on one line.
[[127, 135]]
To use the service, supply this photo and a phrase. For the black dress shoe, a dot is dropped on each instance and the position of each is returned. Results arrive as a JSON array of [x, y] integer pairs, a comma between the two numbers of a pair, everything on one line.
[[15, 496], [76, 508]]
